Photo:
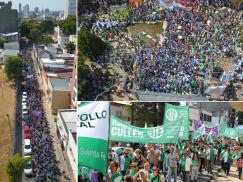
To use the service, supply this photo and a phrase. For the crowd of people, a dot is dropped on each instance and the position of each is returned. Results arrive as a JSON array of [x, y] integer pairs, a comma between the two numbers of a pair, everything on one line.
[[194, 41], [45, 165], [167, 162]]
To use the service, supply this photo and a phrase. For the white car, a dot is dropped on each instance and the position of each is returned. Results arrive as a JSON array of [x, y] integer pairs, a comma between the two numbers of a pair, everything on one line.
[[24, 95], [24, 110], [27, 147], [24, 101], [28, 170]]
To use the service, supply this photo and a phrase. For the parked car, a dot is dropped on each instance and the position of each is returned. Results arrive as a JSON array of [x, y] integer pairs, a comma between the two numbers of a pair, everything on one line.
[[24, 102], [28, 170], [27, 134], [24, 110], [24, 95], [26, 120], [27, 147]]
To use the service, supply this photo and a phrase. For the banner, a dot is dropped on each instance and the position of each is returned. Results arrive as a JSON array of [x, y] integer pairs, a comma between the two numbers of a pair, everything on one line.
[[230, 133], [174, 114], [123, 132], [197, 124], [92, 133]]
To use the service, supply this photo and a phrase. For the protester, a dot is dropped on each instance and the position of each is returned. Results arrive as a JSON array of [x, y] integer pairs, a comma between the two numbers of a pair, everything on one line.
[[186, 166], [139, 159], [239, 165], [125, 162], [209, 158], [172, 160], [116, 176], [155, 176], [195, 167]]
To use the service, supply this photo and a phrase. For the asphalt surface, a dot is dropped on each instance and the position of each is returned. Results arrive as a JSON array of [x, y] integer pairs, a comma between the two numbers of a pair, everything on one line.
[[17, 140]]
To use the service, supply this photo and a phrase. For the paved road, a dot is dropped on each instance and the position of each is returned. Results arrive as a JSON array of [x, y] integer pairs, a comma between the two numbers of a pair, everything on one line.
[[17, 143]]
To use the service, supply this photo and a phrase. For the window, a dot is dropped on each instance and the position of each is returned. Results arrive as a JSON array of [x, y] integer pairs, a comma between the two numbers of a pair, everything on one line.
[[205, 117]]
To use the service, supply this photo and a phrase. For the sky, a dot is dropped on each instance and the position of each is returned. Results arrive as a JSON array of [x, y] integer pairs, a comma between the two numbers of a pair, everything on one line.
[[51, 4]]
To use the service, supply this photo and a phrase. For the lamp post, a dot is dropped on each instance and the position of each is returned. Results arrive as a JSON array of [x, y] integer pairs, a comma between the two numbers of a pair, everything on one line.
[[10, 129]]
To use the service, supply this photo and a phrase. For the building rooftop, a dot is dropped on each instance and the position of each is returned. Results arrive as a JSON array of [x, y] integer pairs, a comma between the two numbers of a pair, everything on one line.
[[53, 61], [69, 118], [60, 84], [9, 52]]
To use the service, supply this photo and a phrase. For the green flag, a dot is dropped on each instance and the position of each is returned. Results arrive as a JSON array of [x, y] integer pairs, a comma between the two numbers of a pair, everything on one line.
[[124, 132], [174, 114], [92, 134], [209, 138], [199, 132], [180, 146]]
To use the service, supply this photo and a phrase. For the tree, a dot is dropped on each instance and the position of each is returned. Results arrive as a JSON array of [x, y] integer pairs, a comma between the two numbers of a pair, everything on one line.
[[68, 26], [47, 26], [16, 166], [47, 39], [90, 45], [2, 43], [83, 72], [26, 26], [150, 112], [70, 46], [13, 68], [35, 34]]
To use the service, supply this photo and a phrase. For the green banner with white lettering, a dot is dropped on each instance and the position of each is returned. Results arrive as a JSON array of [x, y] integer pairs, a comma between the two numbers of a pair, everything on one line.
[[124, 132], [230, 133], [174, 114], [92, 133]]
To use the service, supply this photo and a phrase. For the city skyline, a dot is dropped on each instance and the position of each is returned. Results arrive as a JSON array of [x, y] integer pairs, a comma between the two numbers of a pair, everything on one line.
[[54, 5]]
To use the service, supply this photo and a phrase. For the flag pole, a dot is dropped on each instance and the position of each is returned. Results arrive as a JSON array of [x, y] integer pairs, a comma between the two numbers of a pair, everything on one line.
[[108, 141]]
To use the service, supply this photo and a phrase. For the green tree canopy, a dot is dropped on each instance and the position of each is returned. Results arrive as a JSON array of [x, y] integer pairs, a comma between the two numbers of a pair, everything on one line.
[[89, 44], [47, 26], [26, 26], [13, 68], [83, 71], [70, 46], [35, 34], [16, 166], [47, 39], [68, 26]]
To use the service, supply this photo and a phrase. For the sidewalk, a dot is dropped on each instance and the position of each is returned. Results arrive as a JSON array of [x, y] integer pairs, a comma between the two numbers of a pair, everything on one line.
[[64, 164], [233, 176]]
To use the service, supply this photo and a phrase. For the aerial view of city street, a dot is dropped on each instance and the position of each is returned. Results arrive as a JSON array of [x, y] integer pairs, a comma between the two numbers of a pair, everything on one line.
[[150, 50], [38, 89]]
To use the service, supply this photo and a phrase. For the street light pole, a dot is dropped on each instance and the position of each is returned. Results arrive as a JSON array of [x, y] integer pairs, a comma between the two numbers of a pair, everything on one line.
[[10, 129]]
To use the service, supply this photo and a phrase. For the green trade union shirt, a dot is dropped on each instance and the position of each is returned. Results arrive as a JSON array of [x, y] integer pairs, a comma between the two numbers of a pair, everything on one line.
[[195, 163], [117, 177], [125, 163], [154, 178]]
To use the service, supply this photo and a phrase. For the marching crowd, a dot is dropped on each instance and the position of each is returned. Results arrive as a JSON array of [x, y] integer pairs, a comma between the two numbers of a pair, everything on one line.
[[45, 165], [167, 162], [193, 42]]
